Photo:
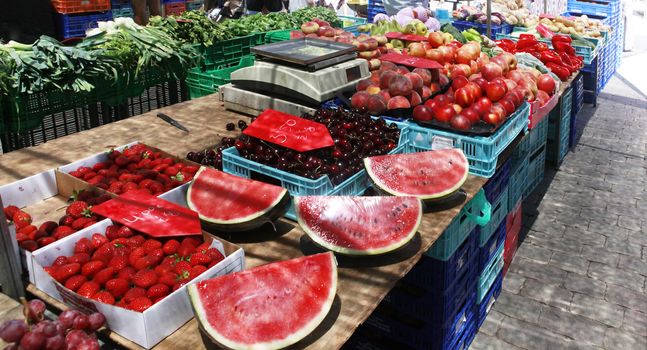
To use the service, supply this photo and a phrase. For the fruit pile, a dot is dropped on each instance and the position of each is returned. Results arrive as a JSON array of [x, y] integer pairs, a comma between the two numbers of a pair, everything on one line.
[[356, 136], [125, 269], [72, 330], [77, 216], [137, 168], [394, 87]]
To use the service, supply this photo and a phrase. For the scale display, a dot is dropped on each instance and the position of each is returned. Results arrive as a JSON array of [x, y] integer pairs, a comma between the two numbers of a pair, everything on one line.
[[303, 51]]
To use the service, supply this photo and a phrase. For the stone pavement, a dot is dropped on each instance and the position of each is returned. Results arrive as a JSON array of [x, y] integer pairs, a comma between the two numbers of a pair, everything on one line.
[[579, 279]]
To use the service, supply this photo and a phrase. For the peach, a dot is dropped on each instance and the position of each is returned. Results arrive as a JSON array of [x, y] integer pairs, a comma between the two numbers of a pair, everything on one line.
[[373, 90], [359, 99], [415, 99], [385, 94], [310, 27], [363, 84], [425, 74], [296, 34], [368, 54], [374, 63], [372, 43], [312, 35], [402, 70], [416, 80], [326, 31], [400, 85], [375, 78], [398, 102], [376, 104], [425, 92], [385, 78], [388, 66]]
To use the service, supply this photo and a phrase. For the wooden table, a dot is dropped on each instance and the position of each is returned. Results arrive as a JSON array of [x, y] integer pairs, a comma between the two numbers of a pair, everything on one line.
[[10, 309], [362, 282]]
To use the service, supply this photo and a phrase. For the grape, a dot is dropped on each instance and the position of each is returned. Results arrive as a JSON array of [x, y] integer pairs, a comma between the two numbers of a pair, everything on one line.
[[67, 317], [13, 346], [88, 344], [60, 328], [32, 341], [35, 310], [81, 322], [74, 338], [56, 342], [12, 331], [97, 320], [46, 327]]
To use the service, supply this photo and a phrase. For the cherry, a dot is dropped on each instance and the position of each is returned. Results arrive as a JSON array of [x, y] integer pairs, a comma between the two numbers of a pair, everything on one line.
[[230, 126]]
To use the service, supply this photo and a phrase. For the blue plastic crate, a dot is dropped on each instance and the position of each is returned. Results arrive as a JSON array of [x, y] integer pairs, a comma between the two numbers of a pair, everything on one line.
[[194, 5], [435, 274], [123, 12], [489, 299], [560, 116], [355, 185], [481, 152], [421, 334], [171, 1], [538, 136], [482, 28], [499, 212], [75, 25], [598, 8], [489, 249], [495, 185], [517, 183], [535, 172], [374, 8], [489, 274]]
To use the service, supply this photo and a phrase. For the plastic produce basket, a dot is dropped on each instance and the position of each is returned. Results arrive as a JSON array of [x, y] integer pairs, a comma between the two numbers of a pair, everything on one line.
[[275, 36], [123, 12], [535, 171], [487, 251], [499, 211], [560, 116], [80, 6], [74, 26], [174, 8], [355, 185], [497, 183], [202, 83], [503, 28], [485, 305], [597, 7], [490, 274], [481, 152], [374, 7], [538, 136], [226, 51], [194, 5], [350, 24], [517, 183]]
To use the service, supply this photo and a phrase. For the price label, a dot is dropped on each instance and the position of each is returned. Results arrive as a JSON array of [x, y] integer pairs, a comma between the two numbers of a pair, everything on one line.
[[289, 131], [410, 61], [151, 215], [440, 142]]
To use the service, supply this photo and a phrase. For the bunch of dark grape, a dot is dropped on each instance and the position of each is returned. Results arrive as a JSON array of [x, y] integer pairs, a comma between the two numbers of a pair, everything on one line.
[[72, 331], [355, 135]]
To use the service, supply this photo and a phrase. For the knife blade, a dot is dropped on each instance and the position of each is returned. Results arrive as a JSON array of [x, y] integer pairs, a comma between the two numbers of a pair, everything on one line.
[[172, 121]]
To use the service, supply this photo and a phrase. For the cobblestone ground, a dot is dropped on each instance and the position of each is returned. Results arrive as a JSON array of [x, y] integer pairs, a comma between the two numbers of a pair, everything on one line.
[[579, 279]]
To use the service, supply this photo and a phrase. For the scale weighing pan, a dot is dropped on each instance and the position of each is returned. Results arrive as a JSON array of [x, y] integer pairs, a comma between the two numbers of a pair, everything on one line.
[[304, 51]]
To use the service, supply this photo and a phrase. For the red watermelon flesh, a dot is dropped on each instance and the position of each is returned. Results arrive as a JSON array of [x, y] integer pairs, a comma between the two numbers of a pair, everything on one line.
[[232, 203], [359, 225], [268, 307], [426, 175]]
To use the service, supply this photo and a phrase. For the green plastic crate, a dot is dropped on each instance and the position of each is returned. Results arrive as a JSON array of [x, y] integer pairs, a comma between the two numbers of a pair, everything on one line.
[[202, 83], [224, 51], [276, 36]]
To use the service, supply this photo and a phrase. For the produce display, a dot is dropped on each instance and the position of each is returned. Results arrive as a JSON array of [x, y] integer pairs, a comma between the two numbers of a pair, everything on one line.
[[426, 175], [126, 269], [509, 12], [359, 225], [267, 307], [77, 216], [243, 204], [72, 329], [581, 25], [409, 20], [137, 168]]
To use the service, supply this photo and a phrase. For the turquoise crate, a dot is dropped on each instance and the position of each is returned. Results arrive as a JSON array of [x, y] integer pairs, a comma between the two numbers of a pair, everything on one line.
[[481, 152], [587, 53], [355, 185], [498, 214], [475, 212], [535, 172], [123, 12], [490, 274], [517, 182], [350, 24], [560, 115]]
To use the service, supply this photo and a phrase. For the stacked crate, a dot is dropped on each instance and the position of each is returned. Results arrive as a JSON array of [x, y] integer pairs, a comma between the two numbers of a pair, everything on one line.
[[578, 99], [122, 8], [174, 7], [559, 129], [74, 17], [374, 7]]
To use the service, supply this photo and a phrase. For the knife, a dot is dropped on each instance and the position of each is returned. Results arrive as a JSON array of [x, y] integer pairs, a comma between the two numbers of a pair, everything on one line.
[[172, 121]]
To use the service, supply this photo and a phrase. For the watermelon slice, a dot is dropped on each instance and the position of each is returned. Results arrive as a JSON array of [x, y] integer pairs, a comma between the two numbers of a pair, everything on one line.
[[231, 203], [359, 225], [267, 307], [426, 175]]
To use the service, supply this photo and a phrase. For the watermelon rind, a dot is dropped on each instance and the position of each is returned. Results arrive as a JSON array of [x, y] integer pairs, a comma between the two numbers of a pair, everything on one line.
[[317, 239], [223, 341], [273, 212], [383, 188]]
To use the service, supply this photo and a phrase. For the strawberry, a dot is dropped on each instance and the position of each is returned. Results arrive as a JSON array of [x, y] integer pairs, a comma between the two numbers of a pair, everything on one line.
[[104, 297], [180, 283], [196, 271], [21, 219], [144, 163], [199, 259], [157, 291], [104, 253], [29, 245], [160, 168], [168, 278], [171, 171], [62, 231], [111, 232], [144, 263], [98, 240], [104, 275], [66, 271], [38, 234], [83, 245], [76, 174], [83, 170], [135, 241], [194, 242], [20, 237], [75, 282], [156, 187], [91, 268], [48, 226], [80, 223], [10, 211], [122, 160], [80, 258], [167, 161], [162, 269], [60, 261], [134, 293], [202, 248], [147, 154], [182, 267], [90, 174], [101, 165], [122, 250], [115, 187], [191, 169], [117, 287], [78, 209], [125, 232], [140, 304], [89, 223], [44, 241], [97, 181], [118, 262], [27, 230], [88, 289], [157, 255], [151, 244], [136, 254], [145, 183], [171, 246], [145, 278], [66, 220], [127, 273]]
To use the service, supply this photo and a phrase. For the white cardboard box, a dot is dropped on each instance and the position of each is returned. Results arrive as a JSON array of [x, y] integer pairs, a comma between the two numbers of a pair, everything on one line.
[[151, 326]]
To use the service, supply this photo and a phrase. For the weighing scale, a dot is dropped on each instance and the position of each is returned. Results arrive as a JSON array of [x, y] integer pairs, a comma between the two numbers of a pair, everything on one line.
[[293, 75]]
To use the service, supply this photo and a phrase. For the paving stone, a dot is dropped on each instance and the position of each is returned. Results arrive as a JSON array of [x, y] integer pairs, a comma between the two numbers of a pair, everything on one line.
[[518, 307], [617, 276], [488, 342], [569, 262], [530, 336], [540, 272], [584, 285], [617, 245], [562, 244], [600, 255], [596, 309], [587, 237], [492, 322], [573, 326], [635, 322], [534, 252], [619, 339], [626, 297], [633, 264], [629, 223], [550, 294], [512, 282]]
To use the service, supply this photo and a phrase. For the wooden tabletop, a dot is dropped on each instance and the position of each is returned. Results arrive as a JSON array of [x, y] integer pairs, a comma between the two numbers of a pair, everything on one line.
[[362, 282]]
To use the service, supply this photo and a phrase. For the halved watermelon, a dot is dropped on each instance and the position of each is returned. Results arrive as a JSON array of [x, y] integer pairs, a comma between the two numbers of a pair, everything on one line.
[[359, 225], [426, 175], [268, 307], [227, 202]]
